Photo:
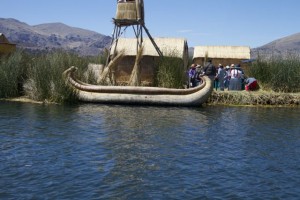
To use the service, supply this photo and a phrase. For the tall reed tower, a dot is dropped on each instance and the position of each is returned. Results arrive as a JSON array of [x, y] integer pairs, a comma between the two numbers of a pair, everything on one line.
[[130, 13]]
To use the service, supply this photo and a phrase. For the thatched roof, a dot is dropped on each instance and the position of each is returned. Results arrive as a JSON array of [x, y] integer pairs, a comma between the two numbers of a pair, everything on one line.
[[174, 47], [3, 39], [5, 46], [225, 52]]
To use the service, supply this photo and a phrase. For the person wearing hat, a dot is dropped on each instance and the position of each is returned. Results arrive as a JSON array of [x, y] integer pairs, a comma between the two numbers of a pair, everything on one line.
[[198, 74], [210, 70], [227, 77], [220, 76], [192, 76], [235, 78]]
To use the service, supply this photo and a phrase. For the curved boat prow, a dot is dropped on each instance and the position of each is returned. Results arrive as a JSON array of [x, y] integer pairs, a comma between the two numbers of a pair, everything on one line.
[[139, 95]]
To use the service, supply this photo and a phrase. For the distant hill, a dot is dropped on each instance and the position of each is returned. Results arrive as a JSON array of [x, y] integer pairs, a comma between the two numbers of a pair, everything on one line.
[[282, 46], [45, 37]]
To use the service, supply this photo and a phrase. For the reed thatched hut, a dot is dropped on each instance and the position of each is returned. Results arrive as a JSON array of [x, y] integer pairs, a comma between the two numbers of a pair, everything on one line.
[[170, 47], [226, 55], [5, 46]]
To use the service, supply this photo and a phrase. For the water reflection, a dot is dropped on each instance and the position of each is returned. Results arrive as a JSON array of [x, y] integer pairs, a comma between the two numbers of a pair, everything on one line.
[[144, 142], [124, 152]]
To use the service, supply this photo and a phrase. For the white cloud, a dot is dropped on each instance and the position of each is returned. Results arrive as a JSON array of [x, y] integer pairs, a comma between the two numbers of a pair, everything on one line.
[[185, 31]]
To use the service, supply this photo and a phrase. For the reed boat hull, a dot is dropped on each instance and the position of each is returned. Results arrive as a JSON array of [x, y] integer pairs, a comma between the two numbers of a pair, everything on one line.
[[139, 95]]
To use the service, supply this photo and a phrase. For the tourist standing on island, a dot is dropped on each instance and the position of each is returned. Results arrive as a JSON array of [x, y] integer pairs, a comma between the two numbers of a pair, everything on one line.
[[210, 70], [227, 77], [192, 76], [251, 84], [235, 78], [220, 76]]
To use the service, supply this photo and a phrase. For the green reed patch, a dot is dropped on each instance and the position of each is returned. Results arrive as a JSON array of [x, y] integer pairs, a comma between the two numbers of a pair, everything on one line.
[[280, 74], [45, 82], [11, 75], [170, 71]]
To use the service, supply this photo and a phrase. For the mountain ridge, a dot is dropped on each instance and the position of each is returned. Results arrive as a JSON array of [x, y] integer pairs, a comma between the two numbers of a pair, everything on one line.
[[56, 35], [49, 36], [282, 46]]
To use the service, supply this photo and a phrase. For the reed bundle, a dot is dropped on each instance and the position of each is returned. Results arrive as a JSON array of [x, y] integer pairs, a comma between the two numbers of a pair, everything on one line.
[[107, 70], [135, 78], [126, 11]]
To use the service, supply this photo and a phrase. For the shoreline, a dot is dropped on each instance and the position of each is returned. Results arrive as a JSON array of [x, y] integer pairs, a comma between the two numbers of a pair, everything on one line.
[[23, 99], [223, 98], [254, 98]]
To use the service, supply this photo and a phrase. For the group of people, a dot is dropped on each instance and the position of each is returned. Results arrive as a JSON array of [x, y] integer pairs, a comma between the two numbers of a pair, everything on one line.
[[230, 78], [196, 71]]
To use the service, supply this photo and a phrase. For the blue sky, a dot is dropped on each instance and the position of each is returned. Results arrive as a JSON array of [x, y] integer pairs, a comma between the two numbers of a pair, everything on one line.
[[202, 22]]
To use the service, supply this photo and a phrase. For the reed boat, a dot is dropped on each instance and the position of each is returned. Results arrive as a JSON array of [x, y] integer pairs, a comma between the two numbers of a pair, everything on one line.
[[139, 95]]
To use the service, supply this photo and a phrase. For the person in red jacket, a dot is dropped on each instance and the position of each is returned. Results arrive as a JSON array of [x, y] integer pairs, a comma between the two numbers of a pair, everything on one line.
[[251, 84]]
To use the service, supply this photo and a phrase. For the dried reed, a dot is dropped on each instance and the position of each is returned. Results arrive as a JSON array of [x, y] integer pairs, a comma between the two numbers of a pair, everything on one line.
[[105, 76], [262, 98], [135, 78], [126, 11]]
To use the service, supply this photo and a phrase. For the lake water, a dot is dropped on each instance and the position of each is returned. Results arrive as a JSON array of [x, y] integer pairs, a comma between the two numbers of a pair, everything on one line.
[[124, 152]]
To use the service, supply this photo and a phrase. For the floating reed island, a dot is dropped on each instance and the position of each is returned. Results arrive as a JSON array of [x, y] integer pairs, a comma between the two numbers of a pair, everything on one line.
[[228, 98], [255, 98], [39, 78]]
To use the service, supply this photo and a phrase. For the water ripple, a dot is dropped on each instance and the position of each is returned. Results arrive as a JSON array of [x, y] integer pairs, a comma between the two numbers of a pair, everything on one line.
[[126, 152]]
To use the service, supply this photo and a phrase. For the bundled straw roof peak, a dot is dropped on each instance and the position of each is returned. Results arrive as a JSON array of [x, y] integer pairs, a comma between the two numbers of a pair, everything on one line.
[[166, 45], [230, 52], [3, 39]]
